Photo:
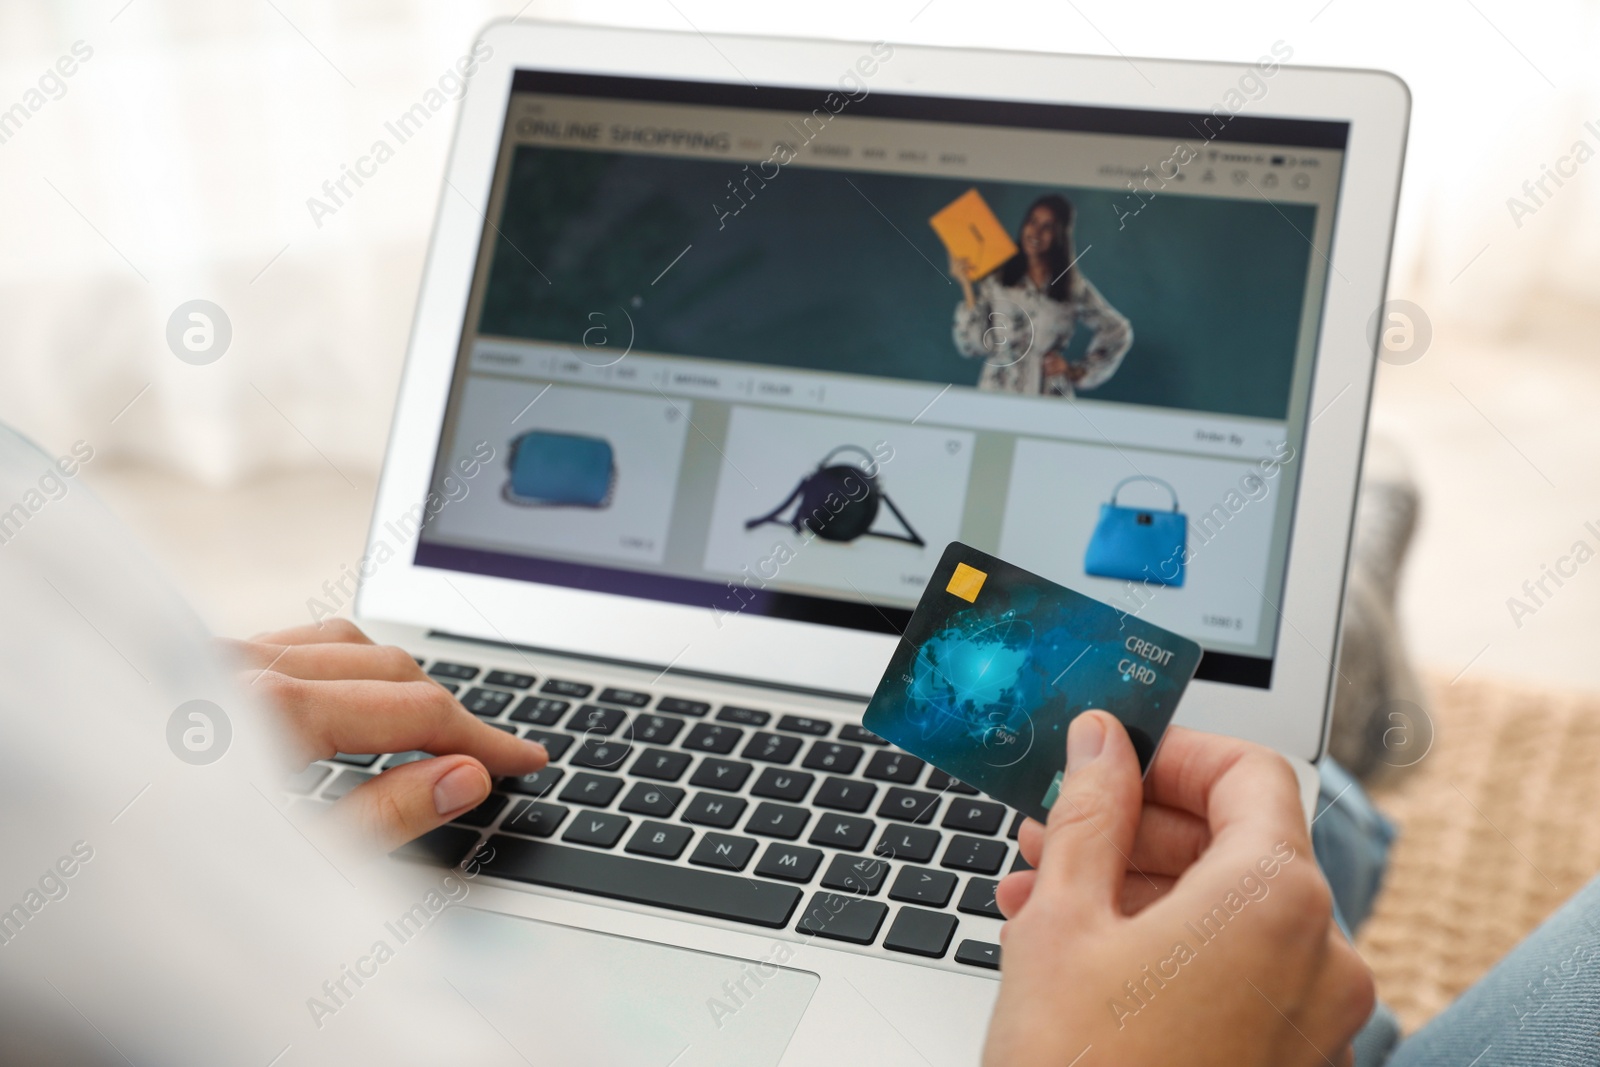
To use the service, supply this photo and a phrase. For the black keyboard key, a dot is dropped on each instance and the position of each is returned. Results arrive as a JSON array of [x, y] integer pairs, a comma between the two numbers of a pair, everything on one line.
[[724, 851], [654, 729], [601, 754], [484, 813], [593, 720], [772, 748], [910, 843], [899, 767], [921, 933], [978, 898], [844, 794], [629, 698], [660, 764], [860, 735], [536, 784], [908, 805], [576, 690], [599, 828], [709, 737], [536, 819], [355, 759], [943, 783], [974, 854], [446, 846], [595, 790], [509, 679], [709, 809], [777, 784], [400, 759], [800, 724], [792, 863], [974, 816], [303, 782], [720, 774], [978, 954], [488, 703], [842, 918], [777, 820], [659, 839], [641, 881], [744, 716], [647, 799], [539, 711], [855, 874], [843, 831], [833, 757], [503, 727], [555, 744], [346, 781], [676, 706], [1016, 826], [458, 671], [922, 885]]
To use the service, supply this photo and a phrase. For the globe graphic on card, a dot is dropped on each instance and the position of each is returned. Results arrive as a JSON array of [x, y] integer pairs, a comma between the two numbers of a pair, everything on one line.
[[972, 682]]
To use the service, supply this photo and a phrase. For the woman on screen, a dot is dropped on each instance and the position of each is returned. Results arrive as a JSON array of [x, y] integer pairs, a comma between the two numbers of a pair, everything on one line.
[[1019, 319]]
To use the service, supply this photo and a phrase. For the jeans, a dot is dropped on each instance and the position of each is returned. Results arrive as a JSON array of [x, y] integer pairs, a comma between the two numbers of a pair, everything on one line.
[[1538, 1007]]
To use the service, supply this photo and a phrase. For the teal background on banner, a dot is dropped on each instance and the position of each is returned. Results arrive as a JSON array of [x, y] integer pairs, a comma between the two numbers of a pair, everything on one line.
[[839, 271]]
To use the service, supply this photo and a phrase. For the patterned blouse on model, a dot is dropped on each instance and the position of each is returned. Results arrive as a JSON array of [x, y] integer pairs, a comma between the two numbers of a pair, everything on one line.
[[1020, 319]]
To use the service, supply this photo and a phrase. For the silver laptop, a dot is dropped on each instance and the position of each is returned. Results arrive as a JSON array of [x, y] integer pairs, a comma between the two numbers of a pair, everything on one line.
[[720, 342]]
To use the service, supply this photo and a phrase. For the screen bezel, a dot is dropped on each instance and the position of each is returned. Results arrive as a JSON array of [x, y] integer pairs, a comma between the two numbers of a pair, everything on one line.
[[1290, 715]]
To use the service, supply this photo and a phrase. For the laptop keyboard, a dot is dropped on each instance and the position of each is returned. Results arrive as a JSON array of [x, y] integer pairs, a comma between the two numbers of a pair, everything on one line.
[[728, 812]]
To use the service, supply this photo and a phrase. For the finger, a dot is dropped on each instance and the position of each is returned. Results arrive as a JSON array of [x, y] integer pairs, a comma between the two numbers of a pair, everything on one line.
[[1139, 891], [1013, 891], [1168, 840], [1091, 829], [374, 716], [408, 801], [328, 630], [329, 660], [1142, 889], [1227, 782]]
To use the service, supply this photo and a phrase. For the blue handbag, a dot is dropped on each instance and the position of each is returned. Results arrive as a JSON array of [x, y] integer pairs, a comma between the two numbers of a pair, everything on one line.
[[1138, 544], [560, 469]]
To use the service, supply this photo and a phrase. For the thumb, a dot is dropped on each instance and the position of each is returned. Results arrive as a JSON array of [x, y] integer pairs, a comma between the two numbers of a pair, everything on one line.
[[1089, 837], [406, 802]]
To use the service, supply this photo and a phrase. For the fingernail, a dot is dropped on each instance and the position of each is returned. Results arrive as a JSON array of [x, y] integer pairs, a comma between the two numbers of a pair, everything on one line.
[[1085, 738], [462, 787]]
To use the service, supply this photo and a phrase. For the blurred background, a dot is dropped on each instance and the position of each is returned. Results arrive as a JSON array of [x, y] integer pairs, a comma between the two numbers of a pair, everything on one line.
[[175, 164]]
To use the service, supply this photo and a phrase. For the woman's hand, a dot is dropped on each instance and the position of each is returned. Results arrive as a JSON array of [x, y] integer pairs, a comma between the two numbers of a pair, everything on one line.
[[339, 692], [961, 271], [1055, 365], [1187, 925]]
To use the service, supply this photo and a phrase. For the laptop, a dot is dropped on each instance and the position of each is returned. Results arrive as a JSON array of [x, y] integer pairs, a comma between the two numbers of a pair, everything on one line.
[[720, 341]]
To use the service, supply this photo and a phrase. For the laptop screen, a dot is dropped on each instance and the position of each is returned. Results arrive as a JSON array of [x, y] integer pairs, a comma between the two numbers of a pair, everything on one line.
[[768, 350]]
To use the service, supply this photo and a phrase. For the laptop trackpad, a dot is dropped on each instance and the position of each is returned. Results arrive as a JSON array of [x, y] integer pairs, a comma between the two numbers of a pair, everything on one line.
[[569, 996]]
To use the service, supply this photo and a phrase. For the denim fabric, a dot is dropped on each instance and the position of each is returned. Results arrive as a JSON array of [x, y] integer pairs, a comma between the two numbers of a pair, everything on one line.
[[1538, 1007], [1351, 839]]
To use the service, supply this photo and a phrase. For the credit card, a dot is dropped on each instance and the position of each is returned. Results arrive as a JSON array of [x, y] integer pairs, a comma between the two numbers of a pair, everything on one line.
[[996, 662]]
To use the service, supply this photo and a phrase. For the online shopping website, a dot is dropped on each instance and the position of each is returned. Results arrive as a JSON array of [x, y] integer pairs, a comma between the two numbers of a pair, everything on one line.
[[751, 352]]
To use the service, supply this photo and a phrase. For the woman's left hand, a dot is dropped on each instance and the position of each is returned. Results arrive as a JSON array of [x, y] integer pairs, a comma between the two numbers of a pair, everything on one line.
[[337, 691]]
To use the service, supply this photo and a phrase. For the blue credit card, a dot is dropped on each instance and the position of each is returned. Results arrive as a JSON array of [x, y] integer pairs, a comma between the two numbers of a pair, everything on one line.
[[996, 662]]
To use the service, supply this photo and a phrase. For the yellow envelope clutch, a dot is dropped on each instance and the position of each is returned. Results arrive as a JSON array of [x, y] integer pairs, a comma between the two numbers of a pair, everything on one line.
[[971, 232]]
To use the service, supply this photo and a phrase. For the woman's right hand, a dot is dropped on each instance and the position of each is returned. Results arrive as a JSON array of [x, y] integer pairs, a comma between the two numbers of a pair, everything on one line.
[[1181, 920], [960, 270]]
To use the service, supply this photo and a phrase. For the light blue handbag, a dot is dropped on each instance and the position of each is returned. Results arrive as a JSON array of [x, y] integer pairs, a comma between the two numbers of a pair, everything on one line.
[[561, 469], [1138, 544]]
